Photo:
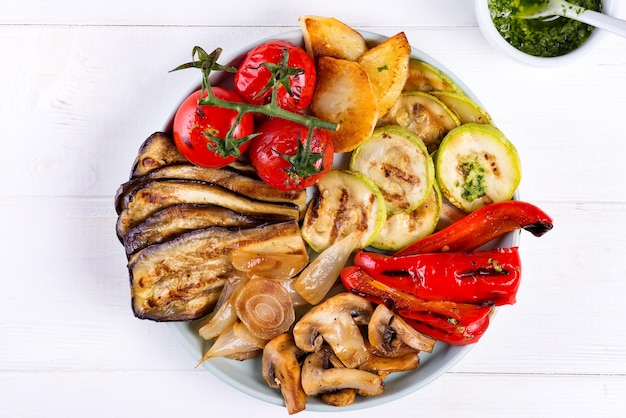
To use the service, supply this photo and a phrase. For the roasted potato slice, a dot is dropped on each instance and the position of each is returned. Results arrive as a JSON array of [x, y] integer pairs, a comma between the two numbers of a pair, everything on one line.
[[327, 36], [344, 95], [387, 65]]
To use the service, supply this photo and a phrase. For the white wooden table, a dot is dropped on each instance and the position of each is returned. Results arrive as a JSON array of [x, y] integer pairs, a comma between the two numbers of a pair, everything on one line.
[[83, 83]]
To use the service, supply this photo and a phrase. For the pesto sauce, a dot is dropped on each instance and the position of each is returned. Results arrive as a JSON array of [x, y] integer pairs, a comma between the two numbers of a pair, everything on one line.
[[538, 37], [474, 185]]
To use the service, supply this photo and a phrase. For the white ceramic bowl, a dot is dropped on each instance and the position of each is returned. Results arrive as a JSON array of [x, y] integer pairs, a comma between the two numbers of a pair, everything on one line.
[[498, 42]]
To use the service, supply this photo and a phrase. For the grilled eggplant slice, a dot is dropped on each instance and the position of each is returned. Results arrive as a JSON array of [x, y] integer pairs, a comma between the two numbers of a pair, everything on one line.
[[181, 279], [162, 193], [227, 177], [174, 220], [157, 150]]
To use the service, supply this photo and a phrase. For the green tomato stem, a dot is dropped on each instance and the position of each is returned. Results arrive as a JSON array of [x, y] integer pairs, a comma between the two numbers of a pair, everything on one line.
[[269, 109], [208, 62]]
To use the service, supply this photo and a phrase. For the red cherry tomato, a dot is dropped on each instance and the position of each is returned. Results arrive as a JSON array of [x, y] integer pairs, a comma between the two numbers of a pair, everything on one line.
[[284, 158], [254, 77], [193, 122]]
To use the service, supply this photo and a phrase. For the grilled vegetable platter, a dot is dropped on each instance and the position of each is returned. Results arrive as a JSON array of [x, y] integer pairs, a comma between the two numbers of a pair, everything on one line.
[[329, 220]]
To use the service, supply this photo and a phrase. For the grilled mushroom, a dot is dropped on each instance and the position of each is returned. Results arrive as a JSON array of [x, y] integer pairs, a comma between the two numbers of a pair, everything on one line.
[[336, 321], [320, 376], [384, 366], [281, 370], [391, 336]]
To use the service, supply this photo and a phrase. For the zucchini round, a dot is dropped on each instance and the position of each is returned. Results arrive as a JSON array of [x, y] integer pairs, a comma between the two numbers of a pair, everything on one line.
[[346, 202], [424, 115], [477, 165], [402, 229], [467, 110], [426, 77], [397, 161]]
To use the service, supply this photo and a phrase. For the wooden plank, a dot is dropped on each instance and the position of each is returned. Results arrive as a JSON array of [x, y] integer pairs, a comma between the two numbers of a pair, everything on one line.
[[145, 394], [563, 323], [246, 13], [103, 90]]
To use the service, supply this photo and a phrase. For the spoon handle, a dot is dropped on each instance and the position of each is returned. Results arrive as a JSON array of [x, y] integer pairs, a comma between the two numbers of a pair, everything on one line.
[[602, 21]]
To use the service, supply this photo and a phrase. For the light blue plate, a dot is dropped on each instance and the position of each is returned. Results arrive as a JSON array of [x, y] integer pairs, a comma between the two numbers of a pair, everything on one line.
[[246, 375]]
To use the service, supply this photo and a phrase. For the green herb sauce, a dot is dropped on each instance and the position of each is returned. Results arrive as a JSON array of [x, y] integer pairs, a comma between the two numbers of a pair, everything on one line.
[[475, 185], [539, 37]]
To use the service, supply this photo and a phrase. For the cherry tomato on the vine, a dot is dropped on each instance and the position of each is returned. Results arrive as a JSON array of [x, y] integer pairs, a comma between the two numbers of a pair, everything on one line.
[[285, 159], [196, 125], [295, 82]]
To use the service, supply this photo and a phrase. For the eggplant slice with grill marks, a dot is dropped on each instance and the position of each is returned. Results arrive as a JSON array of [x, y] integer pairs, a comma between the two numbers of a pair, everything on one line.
[[158, 150], [227, 177], [181, 279], [161, 193], [172, 221]]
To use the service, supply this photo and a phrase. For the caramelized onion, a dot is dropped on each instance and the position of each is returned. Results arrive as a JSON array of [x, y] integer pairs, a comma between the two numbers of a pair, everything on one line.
[[274, 266], [265, 307], [224, 314], [320, 275], [228, 344], [242, 331]]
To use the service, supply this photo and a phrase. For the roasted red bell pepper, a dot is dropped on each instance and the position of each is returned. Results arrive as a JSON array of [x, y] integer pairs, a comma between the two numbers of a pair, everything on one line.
[[449, 322], [482, 226], [482, 277], [450, 333]]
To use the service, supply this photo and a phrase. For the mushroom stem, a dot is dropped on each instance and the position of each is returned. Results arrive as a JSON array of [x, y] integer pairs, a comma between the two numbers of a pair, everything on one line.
[[318, 376], [281, 370]]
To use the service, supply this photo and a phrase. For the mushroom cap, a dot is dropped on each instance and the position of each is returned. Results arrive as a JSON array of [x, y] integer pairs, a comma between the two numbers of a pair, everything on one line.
[[390, 336], [336, 321]]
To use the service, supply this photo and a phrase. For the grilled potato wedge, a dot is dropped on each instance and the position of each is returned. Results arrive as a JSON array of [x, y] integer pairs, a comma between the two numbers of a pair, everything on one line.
[[387, 66], [344, 95], [181, 279], [329, 37], [160, 193]]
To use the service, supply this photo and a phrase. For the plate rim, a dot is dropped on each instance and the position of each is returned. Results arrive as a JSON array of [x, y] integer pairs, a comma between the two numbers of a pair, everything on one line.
[[450, 355]]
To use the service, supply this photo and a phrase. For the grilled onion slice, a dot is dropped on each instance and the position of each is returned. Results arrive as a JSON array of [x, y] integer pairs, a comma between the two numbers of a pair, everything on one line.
[[265, 307]]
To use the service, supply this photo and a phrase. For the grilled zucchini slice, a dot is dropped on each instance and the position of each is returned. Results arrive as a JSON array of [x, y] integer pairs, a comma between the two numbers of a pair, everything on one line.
[[426, 77], [402, 229], [477, 165], [466, 109], [424, 115], [397, 161], [346, 202]]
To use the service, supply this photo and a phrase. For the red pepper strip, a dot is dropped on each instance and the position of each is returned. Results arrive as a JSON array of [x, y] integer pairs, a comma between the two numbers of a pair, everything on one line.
[[458, 336], [482, 277], [483, 225], [449, 320]]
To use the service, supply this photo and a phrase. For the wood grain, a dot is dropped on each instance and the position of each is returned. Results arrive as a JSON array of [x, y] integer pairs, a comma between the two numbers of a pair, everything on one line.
[[82, 87]]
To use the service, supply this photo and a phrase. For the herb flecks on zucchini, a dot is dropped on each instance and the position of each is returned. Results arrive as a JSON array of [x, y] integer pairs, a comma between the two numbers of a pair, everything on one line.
[[476, 165]]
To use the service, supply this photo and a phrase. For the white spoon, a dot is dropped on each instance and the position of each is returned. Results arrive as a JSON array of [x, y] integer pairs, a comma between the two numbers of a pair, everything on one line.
[[548, 8]]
